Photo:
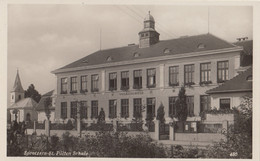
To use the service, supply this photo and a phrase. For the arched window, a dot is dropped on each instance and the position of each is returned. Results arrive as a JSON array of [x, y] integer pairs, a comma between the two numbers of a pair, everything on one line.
[[28, 117]]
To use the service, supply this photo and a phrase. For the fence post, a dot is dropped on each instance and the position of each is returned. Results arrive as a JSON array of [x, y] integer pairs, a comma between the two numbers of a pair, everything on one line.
[[156, 129], [47, 127], [225, 125], [34, 127], [79, 126], [114, 125], [172, 132]]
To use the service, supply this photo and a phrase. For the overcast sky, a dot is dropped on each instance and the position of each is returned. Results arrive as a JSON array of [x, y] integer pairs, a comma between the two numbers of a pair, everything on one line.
[[42, 38]]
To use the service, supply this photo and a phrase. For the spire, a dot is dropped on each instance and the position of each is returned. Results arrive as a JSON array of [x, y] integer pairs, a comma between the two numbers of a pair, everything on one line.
[[17, 84]]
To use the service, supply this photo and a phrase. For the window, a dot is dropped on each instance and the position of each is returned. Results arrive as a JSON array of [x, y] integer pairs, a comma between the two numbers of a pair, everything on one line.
[[64, 82], [84, 110], [19, 97], [190, 105], [73, 85], [222, 71], [172, 106], [94, 109], [151, 107], [174, 76], [166, 51], [112, 81], [124, 108], [224, 103], [83, 86], [205, 71], [109, 58], [137, 108], [151, 78], [73, 110], [63, 110], [94, 83], [112, 109], [189, 74], [125, 80], [137, 79], [204, 103]]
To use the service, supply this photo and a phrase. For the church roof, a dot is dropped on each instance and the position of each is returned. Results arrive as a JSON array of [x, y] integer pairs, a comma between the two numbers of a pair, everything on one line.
[[17, 84], [41, 104], [240, 83], [182, 45], [24, 103]]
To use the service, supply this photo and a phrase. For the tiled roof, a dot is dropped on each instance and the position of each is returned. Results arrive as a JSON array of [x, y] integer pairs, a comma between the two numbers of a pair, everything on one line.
[[24, 103], [240, 83], [40, 106], [176, 46]]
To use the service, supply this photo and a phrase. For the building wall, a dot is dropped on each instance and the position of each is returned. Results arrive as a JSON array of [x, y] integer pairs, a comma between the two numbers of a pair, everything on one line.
[[42, 116], [162, 92], [235, 98]]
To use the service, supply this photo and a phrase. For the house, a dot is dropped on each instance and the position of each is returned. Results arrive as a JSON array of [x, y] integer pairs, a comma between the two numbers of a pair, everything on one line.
[[41, 106], [134, 80], [21, 109], [231, 93]]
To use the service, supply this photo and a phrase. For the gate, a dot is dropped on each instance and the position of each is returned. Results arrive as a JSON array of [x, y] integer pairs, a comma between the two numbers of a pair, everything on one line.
[[164, 131]]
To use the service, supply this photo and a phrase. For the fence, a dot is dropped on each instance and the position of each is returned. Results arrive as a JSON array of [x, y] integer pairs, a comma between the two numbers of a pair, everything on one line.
[[197, 127]]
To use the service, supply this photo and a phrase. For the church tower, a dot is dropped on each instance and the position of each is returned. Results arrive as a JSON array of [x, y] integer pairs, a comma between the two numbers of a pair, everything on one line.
[[148, 36], [17, 92]]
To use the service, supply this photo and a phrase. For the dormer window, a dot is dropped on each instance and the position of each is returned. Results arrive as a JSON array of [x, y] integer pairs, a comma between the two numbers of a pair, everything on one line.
[[201, 46], [85, 61], [136, 54], [109, 58], [166, 51], [249, 78]]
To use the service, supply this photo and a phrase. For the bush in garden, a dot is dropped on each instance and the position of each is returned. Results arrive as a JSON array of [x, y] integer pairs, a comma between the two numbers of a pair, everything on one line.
[[69, 125], [160, 114], [238, 143]]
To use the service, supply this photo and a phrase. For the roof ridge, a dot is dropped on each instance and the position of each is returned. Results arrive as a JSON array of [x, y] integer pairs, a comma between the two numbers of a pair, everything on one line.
[[222, 40]]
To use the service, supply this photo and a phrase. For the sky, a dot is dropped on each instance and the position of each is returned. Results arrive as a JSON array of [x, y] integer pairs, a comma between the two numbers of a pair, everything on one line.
[[42, 37]]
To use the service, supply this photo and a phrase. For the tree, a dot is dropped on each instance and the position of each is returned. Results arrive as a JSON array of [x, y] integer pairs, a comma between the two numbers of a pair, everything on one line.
[[101, 117], [33, 93], [181, 105], [160, 114]]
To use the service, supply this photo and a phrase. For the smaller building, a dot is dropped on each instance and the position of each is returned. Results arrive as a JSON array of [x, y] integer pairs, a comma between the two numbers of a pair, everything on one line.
[[21, 109], [231, 93], [41, 106]]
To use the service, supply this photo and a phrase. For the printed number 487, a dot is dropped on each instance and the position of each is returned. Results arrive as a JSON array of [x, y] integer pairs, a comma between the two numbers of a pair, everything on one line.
[[233, 154]]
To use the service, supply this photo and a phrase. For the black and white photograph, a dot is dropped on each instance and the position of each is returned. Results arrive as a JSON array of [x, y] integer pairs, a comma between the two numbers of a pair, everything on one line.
[[116, 80]]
